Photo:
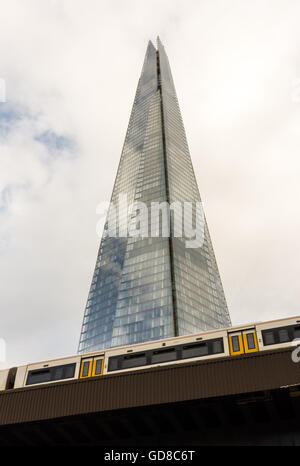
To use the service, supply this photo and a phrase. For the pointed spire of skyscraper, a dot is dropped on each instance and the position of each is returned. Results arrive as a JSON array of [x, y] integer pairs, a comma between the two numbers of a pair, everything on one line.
[[148, 287]]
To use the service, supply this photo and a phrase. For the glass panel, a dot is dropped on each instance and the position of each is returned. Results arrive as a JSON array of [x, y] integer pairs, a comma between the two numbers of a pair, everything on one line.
[[38, 376], [69, 371], [113, 364], [217, 347], [85, 369], [194, 350], [283, 335], [98, 366], [235, 343], [269, 338], [250, 341], [164, 355], [134, 360], [58, 373]]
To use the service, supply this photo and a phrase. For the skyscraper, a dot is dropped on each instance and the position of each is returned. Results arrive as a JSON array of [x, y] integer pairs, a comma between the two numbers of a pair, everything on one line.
[[152, 286]]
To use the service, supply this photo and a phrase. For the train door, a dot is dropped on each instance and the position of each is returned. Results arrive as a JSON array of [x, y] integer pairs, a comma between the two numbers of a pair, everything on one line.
[[242, 342], [97, 368], [91, 367], [86, 368], [250, 341]]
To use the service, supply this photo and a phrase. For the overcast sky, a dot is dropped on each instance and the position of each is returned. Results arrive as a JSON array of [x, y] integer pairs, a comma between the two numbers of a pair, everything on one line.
[[71, 69]]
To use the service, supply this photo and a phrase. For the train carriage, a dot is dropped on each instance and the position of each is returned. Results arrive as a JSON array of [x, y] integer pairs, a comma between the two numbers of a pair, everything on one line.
[[230, 342]]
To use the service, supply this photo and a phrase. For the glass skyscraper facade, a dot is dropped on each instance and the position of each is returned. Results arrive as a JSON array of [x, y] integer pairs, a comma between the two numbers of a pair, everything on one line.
[[149, 287]]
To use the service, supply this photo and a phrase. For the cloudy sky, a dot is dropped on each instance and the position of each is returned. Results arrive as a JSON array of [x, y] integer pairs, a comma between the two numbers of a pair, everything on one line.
[[71, 69]]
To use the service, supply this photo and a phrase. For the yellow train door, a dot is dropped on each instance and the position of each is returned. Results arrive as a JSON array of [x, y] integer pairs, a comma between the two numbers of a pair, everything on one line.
[[91, 367], [242, 342]]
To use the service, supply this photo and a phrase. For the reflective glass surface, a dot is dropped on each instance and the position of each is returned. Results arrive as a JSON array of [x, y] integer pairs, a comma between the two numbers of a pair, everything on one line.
[[149, 288], [200, 300]]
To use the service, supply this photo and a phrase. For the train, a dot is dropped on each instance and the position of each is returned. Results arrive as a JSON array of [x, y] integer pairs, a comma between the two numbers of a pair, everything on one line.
[[209, 345]]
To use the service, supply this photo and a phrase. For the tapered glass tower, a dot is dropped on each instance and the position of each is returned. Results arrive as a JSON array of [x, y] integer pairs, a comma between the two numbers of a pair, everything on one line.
[[151, 285]]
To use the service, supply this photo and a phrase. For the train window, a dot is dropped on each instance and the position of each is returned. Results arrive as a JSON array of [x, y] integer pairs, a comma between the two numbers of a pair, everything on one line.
[[194, 350], [38, 376], [97, 369], [69, 371], [280, 334], [134, 360], [86, 367], [217, 346], [250, 340], [160, 355], [269, 338], [113, 364], [50, 374], [235, 343], [283, 335], [165, 355], [58, 373]]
